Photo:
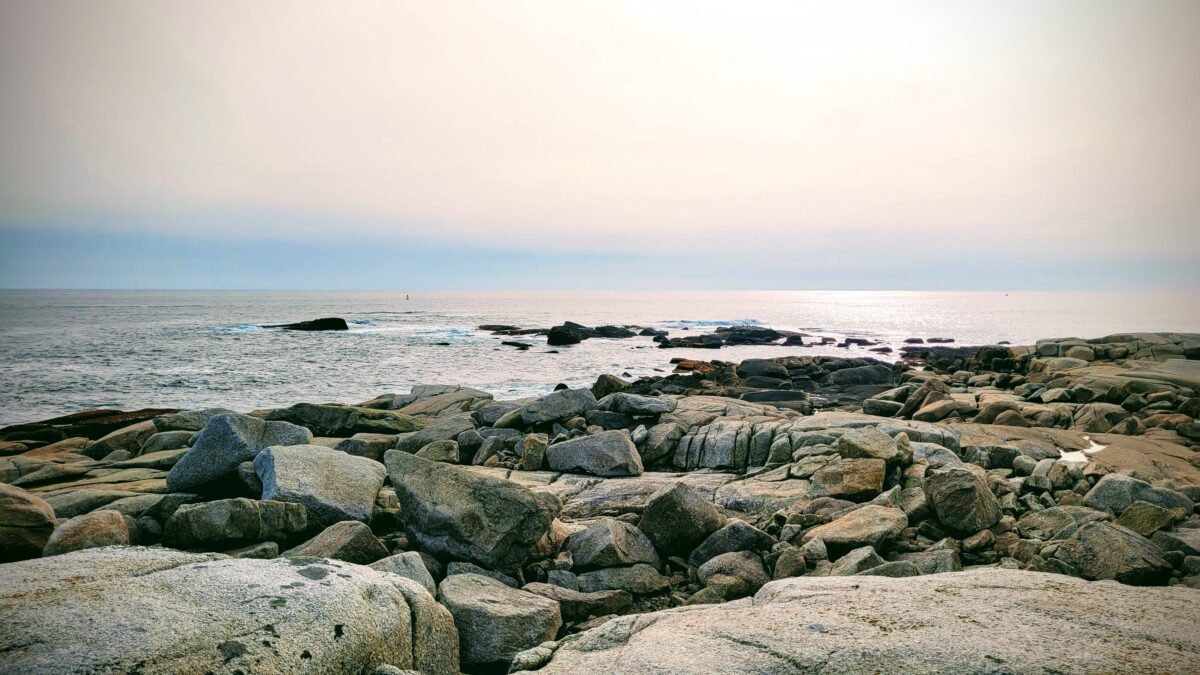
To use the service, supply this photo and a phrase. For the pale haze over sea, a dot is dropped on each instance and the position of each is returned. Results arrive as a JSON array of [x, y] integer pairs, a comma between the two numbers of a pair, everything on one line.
[[66, 351]]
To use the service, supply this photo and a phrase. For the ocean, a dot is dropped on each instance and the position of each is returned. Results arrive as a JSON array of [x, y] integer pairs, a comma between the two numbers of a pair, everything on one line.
[[66, 351]]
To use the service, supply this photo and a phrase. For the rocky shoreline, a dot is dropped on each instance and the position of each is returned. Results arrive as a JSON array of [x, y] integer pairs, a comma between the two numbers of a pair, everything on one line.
[[965, 509]]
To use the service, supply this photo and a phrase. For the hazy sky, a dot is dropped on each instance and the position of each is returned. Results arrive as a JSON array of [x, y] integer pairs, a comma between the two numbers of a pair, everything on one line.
[[958, 144]]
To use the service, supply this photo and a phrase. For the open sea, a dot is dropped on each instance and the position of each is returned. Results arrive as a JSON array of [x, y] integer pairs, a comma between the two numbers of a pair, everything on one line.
[[66, 351]]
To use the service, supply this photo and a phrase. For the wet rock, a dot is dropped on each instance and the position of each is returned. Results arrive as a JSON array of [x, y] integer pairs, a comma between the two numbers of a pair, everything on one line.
[[91, 530], [609, 543], [224, 443], [331, 485], [496, 622], [228, 523], [606, 454], [349, 540], [962, 499], [451, 511], [679, 518], [327, 323], [26, 521]]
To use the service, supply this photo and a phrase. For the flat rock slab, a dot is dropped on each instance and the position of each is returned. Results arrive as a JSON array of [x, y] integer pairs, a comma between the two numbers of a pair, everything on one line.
[[131, 609], [985, 621]]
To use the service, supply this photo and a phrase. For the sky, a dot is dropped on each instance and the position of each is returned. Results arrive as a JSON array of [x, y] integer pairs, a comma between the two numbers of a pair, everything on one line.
[[952, 145]]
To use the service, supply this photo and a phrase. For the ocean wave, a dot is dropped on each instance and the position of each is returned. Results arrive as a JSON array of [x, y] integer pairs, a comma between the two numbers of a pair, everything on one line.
[[240, 328], [361, 322], [681, 324]]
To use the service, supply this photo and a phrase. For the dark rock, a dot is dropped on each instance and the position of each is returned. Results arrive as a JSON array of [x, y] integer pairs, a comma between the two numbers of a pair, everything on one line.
[[736, 535], [609, 543], [962, 500], [329, 323], [1103, 550], [224, 443], [678, 519], [577, 606]]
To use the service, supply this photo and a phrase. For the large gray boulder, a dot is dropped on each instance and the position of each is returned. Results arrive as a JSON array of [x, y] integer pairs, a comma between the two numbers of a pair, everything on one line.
[[962, 499], [635, 404], [1116, 492], [609, 543], [607, 454], [561, 405], [332, 485], [853, 625], [130, 609], [226, 441], [458, 513], [26, 521], [496, 622], [228, 523], [679, 518], [1102, 550]]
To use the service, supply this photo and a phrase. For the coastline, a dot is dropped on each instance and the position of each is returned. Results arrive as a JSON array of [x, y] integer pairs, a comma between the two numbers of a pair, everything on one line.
[[680, 494]]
